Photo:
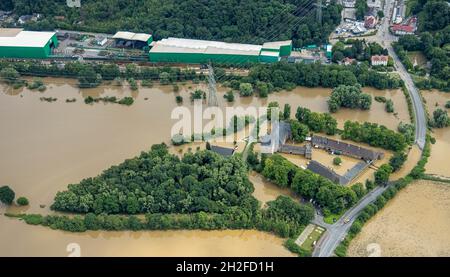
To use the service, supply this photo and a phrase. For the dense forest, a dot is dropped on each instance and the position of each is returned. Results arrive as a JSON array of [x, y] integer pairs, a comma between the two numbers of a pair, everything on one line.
[[249, 21], [158, 182], [201, 190]]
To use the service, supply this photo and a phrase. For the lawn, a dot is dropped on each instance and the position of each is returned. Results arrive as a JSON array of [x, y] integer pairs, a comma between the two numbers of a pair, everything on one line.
[[329, 218], [313, 237]]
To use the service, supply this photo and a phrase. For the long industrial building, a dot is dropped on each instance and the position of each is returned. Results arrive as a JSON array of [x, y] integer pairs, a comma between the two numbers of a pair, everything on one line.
[[16, 43], [179, 50]]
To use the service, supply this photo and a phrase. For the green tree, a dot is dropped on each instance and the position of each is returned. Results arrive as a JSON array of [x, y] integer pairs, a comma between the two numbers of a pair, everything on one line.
[[229, 96], [164, 78], [262, 89], [337, 161], [397, 160], [7, 195], [440, 119], [299, 131], [287, 111], [88, 78], [246, 89], [389, 106], [349, 97], [109, 71], [22, 201], [382, 174], [9, 75]]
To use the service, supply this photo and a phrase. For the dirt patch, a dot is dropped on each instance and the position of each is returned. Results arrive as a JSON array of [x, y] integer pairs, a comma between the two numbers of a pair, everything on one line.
[[415, 223]]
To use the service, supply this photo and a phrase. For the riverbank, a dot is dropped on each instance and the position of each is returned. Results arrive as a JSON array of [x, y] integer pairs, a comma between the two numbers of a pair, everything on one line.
[[98, 136], [415, 223]]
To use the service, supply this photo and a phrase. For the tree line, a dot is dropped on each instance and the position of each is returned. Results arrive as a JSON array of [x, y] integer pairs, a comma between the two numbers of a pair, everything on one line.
[[254, 21], [283, 217], [374, 135], [326, 194], [287, 76], [370, 210]]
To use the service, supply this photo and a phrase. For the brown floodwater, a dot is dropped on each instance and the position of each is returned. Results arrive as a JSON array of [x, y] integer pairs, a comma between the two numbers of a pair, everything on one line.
[[45, 146], [414, 223], [438, 162], [30, 240], [266, 191]]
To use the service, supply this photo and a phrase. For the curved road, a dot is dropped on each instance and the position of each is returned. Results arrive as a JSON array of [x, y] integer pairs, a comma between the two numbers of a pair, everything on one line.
[[336, 232]]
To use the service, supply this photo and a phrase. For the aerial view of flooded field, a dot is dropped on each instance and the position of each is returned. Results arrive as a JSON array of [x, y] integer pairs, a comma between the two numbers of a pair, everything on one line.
[[414, 223], [46, 146], [437, 99]]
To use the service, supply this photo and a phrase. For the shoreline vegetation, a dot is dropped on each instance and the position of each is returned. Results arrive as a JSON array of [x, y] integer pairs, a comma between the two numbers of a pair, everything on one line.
[[418, 172], [263, 78], [199, 191], [106, 203]]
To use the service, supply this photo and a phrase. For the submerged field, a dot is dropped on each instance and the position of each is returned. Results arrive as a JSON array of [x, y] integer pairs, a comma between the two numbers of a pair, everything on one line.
[[437, 164], [414, 223], [46, 146]]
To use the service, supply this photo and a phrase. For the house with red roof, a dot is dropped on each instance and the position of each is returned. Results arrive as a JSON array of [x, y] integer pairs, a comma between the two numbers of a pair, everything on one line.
[[370, 22], [379, 60]]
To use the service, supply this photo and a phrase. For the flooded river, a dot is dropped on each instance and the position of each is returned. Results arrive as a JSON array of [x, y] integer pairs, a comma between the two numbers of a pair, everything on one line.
[[45, 146], [414, 223], [437, 163]]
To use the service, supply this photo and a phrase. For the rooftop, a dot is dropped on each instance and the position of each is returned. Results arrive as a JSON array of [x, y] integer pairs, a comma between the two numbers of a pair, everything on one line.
[[182, 45], [275, 45], [404, 28], [379, 58], [19, 38], [324, 171], [224, 151], [132, 36], [270, 53]]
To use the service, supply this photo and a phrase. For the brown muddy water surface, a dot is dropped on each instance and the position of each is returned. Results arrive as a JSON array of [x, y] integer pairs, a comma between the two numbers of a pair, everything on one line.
[[45, 146], [440, 151], [414, 223]]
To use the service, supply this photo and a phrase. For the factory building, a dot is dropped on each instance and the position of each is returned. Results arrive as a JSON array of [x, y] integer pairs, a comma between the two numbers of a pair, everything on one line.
[[132, 40], [16, 43], [179, 50]]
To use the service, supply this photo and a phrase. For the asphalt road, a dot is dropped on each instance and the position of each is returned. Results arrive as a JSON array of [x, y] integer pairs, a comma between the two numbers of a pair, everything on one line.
[[336, 232]]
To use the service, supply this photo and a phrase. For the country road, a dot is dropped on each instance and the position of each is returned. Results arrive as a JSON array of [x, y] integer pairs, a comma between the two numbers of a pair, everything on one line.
[[336, 232]]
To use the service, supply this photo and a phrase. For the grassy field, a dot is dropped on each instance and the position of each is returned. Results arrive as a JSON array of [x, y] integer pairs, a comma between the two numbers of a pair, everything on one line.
[[329, 218], [313, 237]]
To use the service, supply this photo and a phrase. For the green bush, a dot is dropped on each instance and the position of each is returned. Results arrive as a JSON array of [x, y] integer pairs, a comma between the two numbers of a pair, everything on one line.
[[128, 101], [22, 201], [7, 195]]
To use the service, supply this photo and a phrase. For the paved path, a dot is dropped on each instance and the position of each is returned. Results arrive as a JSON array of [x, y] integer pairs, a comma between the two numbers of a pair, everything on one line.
[[304, 235], [336, 233]]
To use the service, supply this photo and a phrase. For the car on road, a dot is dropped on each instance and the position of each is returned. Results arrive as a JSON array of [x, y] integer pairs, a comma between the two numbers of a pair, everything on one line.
[[347, 220]]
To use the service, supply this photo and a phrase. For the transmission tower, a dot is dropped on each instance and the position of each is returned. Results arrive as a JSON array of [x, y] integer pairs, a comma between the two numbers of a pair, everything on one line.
[[319, 7], [212, 91]]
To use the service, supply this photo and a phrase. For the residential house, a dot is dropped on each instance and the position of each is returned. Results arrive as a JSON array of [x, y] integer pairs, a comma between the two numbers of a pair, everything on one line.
[[379, 60], [348, 61], [370, 22], [400, 29]]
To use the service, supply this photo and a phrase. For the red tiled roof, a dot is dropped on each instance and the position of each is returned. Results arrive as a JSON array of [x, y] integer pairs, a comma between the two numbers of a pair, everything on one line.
[[405, 28], [369, 21], [377, 58]]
